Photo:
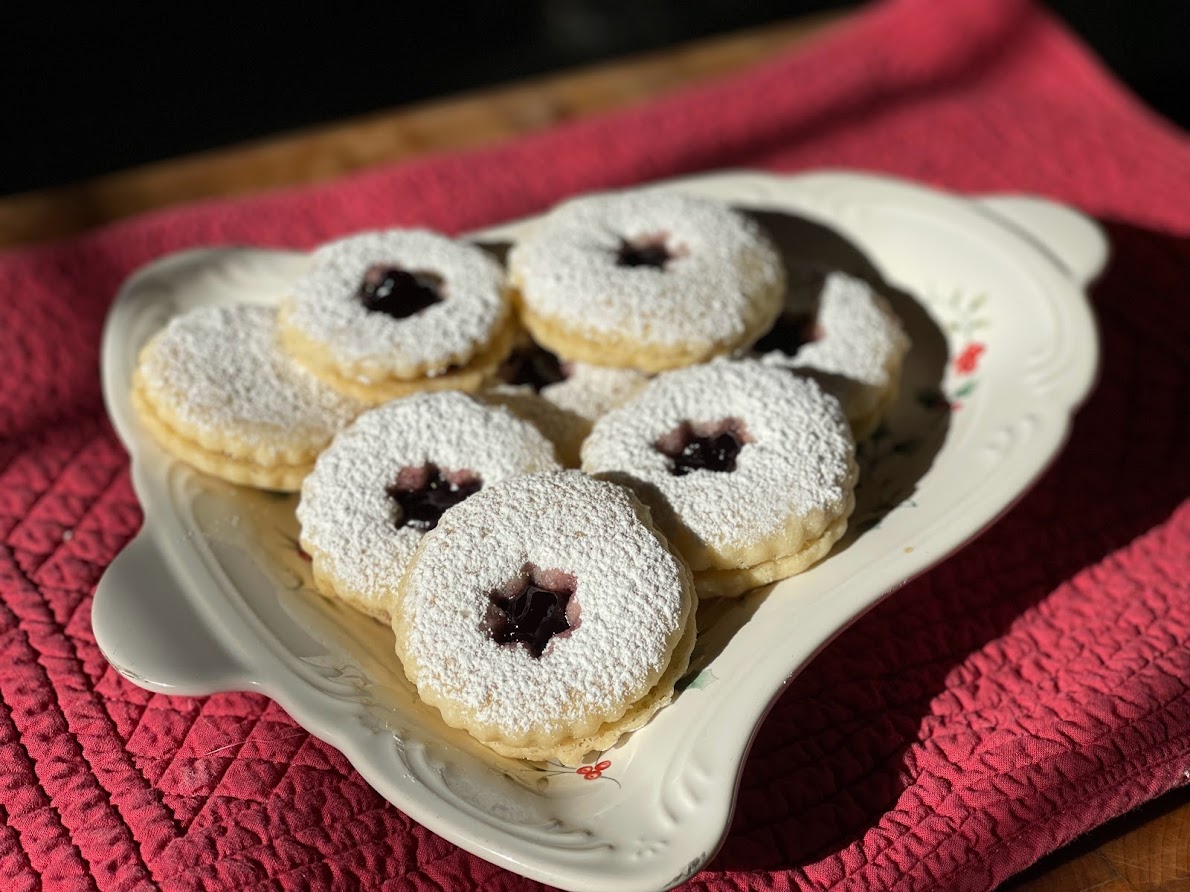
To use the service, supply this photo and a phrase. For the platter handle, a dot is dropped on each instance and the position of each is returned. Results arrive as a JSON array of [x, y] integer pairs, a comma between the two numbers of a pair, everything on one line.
[[149, 631], [1071, 239]]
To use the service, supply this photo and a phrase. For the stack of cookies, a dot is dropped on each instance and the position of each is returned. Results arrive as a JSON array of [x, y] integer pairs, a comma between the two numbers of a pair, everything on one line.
[[426, 401]]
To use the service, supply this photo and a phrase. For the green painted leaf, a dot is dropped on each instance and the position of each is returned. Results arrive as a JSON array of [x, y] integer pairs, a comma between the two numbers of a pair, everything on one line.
[[696, 681]]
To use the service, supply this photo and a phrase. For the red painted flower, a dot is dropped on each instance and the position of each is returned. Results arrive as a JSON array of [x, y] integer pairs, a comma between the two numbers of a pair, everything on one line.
[[593, 772], [966, 362]]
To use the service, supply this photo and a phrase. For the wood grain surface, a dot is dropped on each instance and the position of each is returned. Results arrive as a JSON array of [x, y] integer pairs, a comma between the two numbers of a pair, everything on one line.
[[460, 122], [1147, 851]]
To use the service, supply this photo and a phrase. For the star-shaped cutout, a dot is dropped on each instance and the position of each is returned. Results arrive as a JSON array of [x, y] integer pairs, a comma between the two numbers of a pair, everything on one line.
[[424, 494], [397, 292], [531, 616]]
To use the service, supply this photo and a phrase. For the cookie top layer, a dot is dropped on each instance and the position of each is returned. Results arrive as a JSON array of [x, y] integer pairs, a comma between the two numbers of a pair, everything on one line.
[[396, 304], [627, 603], [579, 388], [217, 375], [409, 457], [728, 454], [590, 391], [838, 329], [654, 266]]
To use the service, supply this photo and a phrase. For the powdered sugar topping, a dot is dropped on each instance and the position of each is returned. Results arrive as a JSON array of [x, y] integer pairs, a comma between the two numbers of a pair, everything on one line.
[[798, 459], [326, 309], [630, 596], [345, 511], [567, 269], [860, 343], [590, 391], [221, 372]]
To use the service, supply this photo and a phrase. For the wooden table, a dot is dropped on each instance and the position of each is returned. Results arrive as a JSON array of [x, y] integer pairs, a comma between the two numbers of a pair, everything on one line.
[[1147, 851]]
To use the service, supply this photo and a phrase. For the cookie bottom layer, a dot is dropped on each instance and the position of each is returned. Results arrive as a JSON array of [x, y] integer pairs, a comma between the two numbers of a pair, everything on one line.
[[620, 351], [334, 589], [733, 583], [233, 469], [469, 377]]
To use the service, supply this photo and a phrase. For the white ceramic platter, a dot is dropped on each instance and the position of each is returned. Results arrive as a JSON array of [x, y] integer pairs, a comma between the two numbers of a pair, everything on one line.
[[214, 596]]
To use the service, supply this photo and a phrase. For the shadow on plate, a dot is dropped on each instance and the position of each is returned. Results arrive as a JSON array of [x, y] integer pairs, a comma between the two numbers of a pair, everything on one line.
[[842, 765], [892, 459]]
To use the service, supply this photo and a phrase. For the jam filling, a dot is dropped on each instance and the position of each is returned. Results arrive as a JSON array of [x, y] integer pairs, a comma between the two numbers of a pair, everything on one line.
[[703, 447], [534, 366], [789, 334], [424, 494], [532, 613], [649, 251], [397, 292]]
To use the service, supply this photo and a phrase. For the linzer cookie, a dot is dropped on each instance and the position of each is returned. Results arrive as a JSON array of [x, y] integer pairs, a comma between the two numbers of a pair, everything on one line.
[[838, 330], [387, 314], [646, 279], [586, 390], [215, 389], [386, 480], [562, 399], [545, 616], [749, 470]]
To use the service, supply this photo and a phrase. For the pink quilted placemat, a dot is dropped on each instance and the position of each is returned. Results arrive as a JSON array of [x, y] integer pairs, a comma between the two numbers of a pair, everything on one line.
[[1024, 691]]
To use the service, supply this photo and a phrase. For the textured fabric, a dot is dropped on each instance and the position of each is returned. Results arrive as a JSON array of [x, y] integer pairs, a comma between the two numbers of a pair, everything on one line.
[[1024, 691]]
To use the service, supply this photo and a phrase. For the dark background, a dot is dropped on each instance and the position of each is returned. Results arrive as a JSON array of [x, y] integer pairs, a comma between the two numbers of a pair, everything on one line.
[[98, 87]]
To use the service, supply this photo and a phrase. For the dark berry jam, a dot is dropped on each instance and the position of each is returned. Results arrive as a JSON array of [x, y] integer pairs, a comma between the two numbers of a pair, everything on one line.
[[531, 615], [789, 334], [425, 493], [397, 292], [534, 366], [651, 251], [703, 447]]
